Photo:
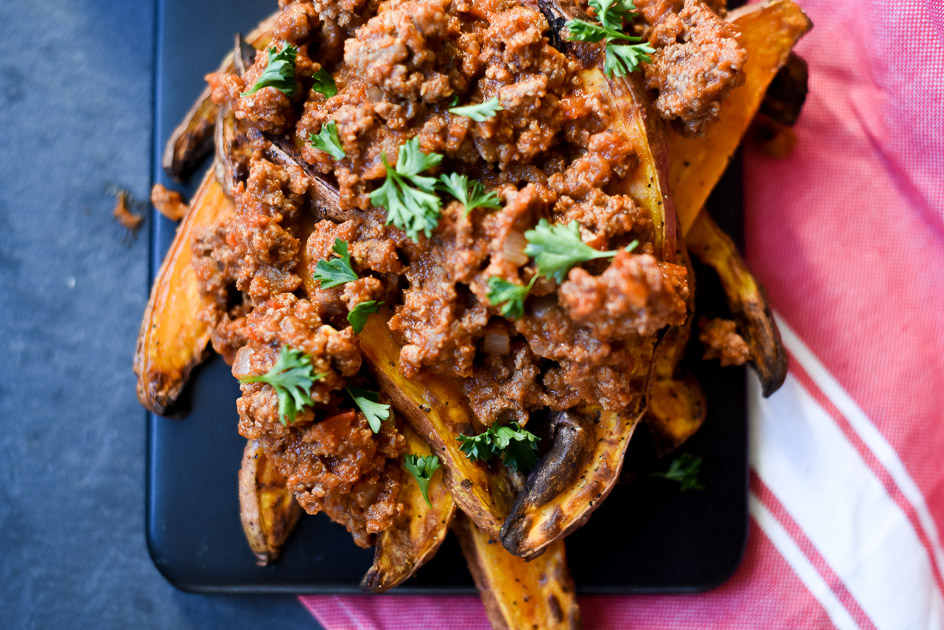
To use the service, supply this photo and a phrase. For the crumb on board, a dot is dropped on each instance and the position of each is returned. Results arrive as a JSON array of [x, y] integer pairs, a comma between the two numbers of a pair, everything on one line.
[[722, 342], [168, 202], [124, 216]]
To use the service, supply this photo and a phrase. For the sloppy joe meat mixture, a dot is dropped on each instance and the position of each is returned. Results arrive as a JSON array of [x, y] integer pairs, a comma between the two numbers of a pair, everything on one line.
[[550, 153]]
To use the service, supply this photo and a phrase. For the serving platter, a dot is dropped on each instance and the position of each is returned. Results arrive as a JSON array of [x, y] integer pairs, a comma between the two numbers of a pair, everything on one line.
[[648, 536]]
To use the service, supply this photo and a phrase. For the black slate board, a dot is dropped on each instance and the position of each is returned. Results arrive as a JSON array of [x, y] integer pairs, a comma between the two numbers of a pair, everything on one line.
[[647, 537]]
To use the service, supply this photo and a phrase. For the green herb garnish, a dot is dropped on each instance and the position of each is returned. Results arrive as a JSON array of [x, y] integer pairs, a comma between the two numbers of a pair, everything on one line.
[[479, 112], [621, 59], [517, 446], [358, 315], [324, 83], [471, 194], [279, 72], [422, 469], [408, 196], [556, 248], [684, 470], [328, 141], [373, 411], [291, 377], [509, 295], [336, 271]]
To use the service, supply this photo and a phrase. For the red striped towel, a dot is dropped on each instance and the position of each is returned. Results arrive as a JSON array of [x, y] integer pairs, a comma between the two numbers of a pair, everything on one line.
[[847, 459]]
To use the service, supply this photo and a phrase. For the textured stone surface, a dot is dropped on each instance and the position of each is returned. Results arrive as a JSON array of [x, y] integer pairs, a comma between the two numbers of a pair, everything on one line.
[[75, 121]]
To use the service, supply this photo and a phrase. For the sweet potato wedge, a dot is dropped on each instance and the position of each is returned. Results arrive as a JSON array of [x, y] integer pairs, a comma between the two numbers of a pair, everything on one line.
[[571, 481], [677, 404], [768, 32], [173, 340], [436, 409], [746, 299], [192, 139], [519, 593], [267, 508], [590, 444], [416, 536]]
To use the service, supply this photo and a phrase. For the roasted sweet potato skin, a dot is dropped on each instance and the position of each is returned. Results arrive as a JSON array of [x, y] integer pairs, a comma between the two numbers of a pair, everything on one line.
[[519, 594], [192, 139], [267, 508], [436, 409], [768, 32], [173, 339], [746, 299], [420, 530]]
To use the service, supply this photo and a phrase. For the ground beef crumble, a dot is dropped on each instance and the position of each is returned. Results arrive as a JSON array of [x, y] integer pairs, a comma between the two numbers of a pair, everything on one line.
[[722, 341]]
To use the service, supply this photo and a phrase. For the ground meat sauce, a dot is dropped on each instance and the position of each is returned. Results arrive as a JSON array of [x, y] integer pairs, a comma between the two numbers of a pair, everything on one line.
[[721, 341], [549, 153]]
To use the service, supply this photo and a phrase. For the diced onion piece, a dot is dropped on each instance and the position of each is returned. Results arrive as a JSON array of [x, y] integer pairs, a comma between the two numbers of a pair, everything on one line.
[[513, 248], [496, 341]]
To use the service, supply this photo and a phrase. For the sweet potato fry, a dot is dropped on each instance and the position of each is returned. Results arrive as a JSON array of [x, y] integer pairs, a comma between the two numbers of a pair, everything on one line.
[[192, 140], [746, 298], [768, 32], [677, 405], [436, 409], [173, 340], [519, 593], [416, 536], [267, 508], [571, 481], [585, 460]]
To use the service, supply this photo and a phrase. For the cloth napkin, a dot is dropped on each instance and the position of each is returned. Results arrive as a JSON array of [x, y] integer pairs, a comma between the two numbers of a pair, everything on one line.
[[847, 459]]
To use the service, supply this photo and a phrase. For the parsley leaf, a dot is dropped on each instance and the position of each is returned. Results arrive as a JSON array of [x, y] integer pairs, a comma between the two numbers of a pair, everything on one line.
[[336, 271], [509, 295], [471, 194], [373, 411], [621, 59], [328, 141], [479, 112], [279, 72], [324, 83], [357, 317], [422, 469], [612, 13], [291, 377], [557, 248], [517, 446], [684, 470], [408, 196]]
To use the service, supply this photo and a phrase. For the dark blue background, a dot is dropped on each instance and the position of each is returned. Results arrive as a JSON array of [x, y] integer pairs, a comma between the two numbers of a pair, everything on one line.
[[76, 102]]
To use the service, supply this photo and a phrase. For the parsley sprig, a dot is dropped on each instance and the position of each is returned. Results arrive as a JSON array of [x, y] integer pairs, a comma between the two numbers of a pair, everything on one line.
[[471, 194], [409, 197], [366, 400], [337, 271], [556, 248], [479, 112], [516, 446], [324, 83], [291, 377], [621, 58], [358, 315], [422, 469], [328, 141], [279, 72], [508, 295], [684, 470]]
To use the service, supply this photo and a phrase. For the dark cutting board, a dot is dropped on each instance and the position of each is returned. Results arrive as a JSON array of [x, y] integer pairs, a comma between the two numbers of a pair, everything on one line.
[[647, 537]]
